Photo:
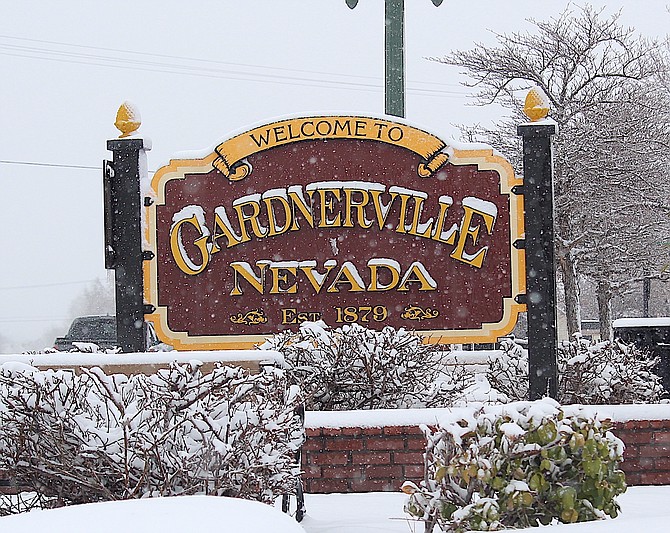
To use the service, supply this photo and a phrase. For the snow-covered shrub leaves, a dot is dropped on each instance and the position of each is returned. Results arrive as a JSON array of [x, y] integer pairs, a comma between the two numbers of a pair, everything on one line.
[[91, 437], [353, 367], [594, 374], [517, 465]]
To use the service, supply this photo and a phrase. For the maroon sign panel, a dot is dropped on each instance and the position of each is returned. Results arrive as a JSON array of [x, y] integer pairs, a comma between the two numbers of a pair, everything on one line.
[[340, 219]]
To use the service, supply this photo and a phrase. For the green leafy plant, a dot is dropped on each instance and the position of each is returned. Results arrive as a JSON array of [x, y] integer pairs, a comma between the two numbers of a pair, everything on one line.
[[518, 465]]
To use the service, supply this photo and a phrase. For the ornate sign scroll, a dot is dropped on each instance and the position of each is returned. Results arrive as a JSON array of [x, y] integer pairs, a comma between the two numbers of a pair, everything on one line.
[[337, 218]]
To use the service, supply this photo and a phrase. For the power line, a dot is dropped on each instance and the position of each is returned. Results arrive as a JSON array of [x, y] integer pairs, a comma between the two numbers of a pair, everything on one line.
[[260, 78], [91, 59], [207, 72], [14, 320], [213, 61], [42, 285], [54, 165]]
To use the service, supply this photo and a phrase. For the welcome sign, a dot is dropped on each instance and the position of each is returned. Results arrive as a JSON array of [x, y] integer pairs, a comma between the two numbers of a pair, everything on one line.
[[337, 218]]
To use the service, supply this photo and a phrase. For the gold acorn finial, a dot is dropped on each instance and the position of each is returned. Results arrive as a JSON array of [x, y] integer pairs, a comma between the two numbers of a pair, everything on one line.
[[536, 106], [128, 119]]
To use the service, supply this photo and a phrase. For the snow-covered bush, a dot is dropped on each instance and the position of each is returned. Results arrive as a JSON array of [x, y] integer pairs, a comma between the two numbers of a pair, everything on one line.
[[91, 437], [353, 367], [595, 374], [449, 388], [459, 386], [508, 370], [607, 372], [517, 465]]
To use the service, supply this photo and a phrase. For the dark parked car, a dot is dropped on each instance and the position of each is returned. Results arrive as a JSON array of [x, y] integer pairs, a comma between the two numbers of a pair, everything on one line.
[[99, 330]]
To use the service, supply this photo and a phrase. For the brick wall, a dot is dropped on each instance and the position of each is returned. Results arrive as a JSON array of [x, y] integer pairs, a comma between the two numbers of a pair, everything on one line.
[[358, 459], [362, 459], [647, 455]]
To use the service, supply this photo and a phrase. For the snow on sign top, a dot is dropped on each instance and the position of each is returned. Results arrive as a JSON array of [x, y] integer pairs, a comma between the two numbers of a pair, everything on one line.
[[336, 218]]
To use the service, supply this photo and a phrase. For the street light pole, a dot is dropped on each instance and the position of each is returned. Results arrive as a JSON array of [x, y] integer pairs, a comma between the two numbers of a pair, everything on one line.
[[394, 46]]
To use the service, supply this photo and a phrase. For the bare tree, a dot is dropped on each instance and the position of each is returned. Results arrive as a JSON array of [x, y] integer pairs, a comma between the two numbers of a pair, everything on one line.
[[97, 298], [596, 75], [625, 224]]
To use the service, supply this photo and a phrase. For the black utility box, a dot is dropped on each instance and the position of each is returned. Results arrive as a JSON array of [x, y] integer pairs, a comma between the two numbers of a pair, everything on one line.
[[652, 334]]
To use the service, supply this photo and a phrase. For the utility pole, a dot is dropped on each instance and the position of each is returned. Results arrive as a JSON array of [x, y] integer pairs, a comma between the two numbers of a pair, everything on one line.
[[394, 46], [646, 294]]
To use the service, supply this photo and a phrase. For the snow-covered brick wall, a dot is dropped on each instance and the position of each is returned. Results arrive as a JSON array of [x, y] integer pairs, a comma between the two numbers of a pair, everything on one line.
[[365, 451], [361, 459], [147, 362], [647, 455]]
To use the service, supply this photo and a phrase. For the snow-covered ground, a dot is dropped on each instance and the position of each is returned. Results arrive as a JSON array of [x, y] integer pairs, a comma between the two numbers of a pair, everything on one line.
[[643, 508], [156, 515]]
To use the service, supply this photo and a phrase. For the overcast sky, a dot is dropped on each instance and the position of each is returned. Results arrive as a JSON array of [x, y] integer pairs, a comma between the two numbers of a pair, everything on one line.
[[197, 71]]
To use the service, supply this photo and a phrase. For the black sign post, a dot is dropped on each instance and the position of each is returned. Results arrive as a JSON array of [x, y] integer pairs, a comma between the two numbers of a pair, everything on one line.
[[540, 298], [123, 240]]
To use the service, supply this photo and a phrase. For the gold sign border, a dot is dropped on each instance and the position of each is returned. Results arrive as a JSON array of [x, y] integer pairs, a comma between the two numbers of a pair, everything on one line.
[[229, 156]]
